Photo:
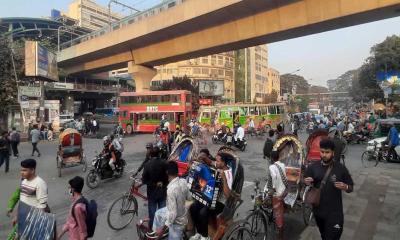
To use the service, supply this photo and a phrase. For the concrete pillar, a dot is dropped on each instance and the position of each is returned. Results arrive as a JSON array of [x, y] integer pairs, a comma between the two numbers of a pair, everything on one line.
[[142, 75]]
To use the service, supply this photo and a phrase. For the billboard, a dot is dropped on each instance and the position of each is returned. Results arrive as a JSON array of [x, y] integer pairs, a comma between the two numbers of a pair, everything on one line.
[[40, 62], [211, 87]]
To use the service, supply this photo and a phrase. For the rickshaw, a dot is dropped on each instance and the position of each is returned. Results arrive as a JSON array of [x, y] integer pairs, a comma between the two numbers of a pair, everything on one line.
[[184, 153], [123, 210], [70, 151], [312, 145], [223, 227], [261, 218]]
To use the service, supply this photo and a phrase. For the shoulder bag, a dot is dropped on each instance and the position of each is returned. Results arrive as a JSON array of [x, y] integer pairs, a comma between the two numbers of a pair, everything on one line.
[[313, 195]]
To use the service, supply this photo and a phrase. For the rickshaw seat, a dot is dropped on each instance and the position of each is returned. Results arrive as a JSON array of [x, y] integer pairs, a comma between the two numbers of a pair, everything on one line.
[[71, 151], [182, 168], [314, 150]]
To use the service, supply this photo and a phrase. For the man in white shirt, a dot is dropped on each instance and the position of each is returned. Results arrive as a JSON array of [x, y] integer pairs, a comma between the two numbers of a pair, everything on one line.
[[239, 133], [33, 188], [350, 129], [276, 189]]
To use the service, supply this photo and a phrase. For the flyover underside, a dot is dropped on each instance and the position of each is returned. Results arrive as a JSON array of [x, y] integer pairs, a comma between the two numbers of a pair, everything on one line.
[[287, 21]]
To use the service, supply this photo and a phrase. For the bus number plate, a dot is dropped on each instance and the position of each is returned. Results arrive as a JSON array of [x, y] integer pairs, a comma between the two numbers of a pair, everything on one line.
[[152, 109]]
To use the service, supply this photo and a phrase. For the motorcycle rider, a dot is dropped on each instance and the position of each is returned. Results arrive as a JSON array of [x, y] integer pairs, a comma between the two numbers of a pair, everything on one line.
[[111, 152], [392, 141], [239, 136]]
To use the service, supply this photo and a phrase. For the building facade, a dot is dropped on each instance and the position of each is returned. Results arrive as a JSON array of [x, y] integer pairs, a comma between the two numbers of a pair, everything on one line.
[[251, 74], [274, 81], [214, 74], [90, 14]]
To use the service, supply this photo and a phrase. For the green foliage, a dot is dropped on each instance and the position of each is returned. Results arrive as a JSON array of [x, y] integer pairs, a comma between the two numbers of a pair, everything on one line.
[[344, 81], [239, 76], [317, 89], [289, 80], [302, 102], [385, 56], [11, 54]]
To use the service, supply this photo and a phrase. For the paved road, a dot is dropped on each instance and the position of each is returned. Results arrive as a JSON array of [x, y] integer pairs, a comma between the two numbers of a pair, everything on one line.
[[254, 167]]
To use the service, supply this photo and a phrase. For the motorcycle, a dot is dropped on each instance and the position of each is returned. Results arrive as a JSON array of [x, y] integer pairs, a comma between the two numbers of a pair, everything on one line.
[[102, 170], [218, 137], [241, 145], [357, 137]]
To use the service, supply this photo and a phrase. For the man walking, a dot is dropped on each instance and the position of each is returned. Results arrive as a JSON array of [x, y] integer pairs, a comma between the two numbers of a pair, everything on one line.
[[4, 150], [156, 179], [76, 220], [174, 215], [15, 139], [332, 178], [35, 135]]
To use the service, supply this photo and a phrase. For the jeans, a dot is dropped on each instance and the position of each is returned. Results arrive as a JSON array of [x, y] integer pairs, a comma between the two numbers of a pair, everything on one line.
[[153, 205], [4, 157], [175, 232], [35, 149], [14, 147], [200, 215]]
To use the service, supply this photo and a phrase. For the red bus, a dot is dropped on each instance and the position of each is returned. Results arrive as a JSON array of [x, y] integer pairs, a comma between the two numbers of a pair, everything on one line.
[[141, 112]]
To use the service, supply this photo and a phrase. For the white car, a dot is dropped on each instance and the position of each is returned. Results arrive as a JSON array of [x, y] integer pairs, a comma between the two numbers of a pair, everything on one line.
[[66, 118], [370, 146]]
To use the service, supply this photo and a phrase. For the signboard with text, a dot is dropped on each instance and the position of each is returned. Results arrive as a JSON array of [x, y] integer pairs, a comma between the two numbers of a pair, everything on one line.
[[211, 87], [29, 91], [40, 62]]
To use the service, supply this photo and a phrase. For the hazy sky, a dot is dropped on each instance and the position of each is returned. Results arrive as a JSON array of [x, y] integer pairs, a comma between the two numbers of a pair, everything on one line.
[[320, 57]]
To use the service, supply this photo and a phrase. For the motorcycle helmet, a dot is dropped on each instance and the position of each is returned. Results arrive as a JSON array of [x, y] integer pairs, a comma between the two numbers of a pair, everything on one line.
[[164, 129], [106, 140]]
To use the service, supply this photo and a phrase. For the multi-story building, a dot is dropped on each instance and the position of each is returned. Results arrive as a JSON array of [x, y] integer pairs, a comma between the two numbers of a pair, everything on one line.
[[251, 74], [274, 81], [90, 14], [216, 70]]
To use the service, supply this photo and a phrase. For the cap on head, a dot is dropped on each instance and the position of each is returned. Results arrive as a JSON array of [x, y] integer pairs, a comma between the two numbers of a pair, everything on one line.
[[29, 163]]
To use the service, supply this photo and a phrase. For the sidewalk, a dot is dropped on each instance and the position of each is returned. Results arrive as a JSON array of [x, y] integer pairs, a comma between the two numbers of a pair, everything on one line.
[[372, 211]]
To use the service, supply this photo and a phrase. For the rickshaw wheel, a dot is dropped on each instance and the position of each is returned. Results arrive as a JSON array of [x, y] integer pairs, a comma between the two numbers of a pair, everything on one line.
[[59, 165], [238, 231], [258, 224], [307, 213], [84, 162]]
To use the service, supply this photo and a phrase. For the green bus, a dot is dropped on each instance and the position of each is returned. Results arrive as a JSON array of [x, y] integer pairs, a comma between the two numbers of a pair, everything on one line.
[[271, 114]]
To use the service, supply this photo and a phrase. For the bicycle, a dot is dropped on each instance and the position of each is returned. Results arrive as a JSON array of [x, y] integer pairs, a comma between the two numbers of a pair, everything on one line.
[[126, 206], [378, 154]]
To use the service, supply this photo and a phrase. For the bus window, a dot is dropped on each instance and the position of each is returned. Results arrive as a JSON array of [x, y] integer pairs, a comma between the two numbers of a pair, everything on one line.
[[279, 110], [246, 111], [165, 98], [206, 115], [175, 98], [188, 98], [271, 110], [125, 114], [258, 111], [131, 116], [263, 110], [252, 111]]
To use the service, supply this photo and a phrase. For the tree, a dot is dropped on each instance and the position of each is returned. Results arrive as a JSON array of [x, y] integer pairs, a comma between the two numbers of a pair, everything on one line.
[[317, 89], [290, 80], [345, 81], [302, 102], [11, 57], [385, 57], [181, 83]]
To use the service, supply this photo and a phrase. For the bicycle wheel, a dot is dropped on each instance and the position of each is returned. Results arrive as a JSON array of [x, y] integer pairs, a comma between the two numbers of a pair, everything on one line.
[[238, 231], [368, 160], [121, 212], [258, 224]]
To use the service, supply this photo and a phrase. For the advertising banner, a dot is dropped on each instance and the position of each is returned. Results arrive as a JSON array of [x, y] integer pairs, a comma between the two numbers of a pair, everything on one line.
[[211, 87], [29, 91], [40, 62]]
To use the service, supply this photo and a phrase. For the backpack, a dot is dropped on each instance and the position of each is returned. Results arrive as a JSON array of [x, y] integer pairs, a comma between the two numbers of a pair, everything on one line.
[[118, 145], [91, 215]]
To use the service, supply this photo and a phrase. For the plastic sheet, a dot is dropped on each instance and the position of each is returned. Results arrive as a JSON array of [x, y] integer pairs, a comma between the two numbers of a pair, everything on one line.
[[35, 224]]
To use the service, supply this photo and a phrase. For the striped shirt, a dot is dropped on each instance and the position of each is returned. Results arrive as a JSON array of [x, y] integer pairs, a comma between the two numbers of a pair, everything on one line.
[[34, 192]]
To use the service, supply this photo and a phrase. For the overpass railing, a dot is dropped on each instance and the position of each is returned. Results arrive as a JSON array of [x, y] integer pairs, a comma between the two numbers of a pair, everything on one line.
[[134, 18]]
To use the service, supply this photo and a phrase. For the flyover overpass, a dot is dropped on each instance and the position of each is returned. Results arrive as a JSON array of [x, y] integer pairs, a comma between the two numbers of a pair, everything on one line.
[[202, 27]]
